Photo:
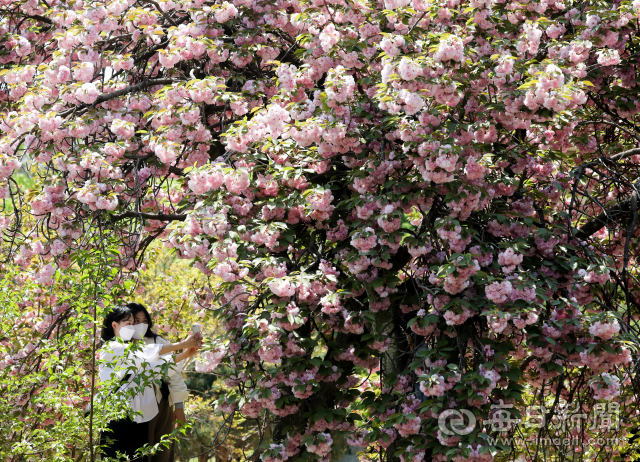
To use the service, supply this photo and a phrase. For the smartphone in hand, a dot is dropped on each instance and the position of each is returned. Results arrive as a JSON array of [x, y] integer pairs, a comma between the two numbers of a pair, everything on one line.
[[197, 330]]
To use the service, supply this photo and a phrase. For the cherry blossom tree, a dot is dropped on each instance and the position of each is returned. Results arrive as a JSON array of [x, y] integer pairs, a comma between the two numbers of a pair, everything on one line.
[[416, 207]]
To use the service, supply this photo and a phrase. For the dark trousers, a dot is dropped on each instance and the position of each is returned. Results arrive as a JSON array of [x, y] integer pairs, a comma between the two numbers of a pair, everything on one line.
[[162, 424], [128, 436]]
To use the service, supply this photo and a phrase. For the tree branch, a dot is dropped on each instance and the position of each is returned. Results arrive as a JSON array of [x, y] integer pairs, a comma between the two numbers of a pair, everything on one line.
[[115, 94], [625, 154], [606, 217], [132, 88], [149, 216], [615, 158], [401, 258], [36, 17], [164, 15]]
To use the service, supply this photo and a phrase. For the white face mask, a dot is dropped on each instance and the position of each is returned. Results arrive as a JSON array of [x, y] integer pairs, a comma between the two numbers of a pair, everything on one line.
[[126, 332], [140, 329]]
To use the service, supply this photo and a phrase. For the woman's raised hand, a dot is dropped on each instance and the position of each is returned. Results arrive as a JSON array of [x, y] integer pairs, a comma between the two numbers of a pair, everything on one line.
[[194, 341], [191, 346]]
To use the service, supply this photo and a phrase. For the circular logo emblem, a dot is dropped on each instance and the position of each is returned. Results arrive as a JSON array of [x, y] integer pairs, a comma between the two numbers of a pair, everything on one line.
[[452, 422]]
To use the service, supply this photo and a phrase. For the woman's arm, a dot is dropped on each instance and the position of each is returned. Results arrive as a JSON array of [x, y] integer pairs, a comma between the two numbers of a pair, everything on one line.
[[186, 354], [191, 342], [149, 358], [177, 388], [178, 413]]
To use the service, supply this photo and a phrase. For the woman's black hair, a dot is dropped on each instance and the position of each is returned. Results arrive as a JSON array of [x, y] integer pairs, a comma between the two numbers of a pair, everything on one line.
[[117, 314], [137, 308]]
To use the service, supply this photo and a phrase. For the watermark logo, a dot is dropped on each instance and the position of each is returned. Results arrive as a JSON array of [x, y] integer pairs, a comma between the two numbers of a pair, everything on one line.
[[501, 420], [567, 443], [602, 417], [453, 422]]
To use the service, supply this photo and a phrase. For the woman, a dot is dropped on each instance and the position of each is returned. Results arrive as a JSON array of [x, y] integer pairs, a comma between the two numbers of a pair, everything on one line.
[[128, 435], [170, 395]]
